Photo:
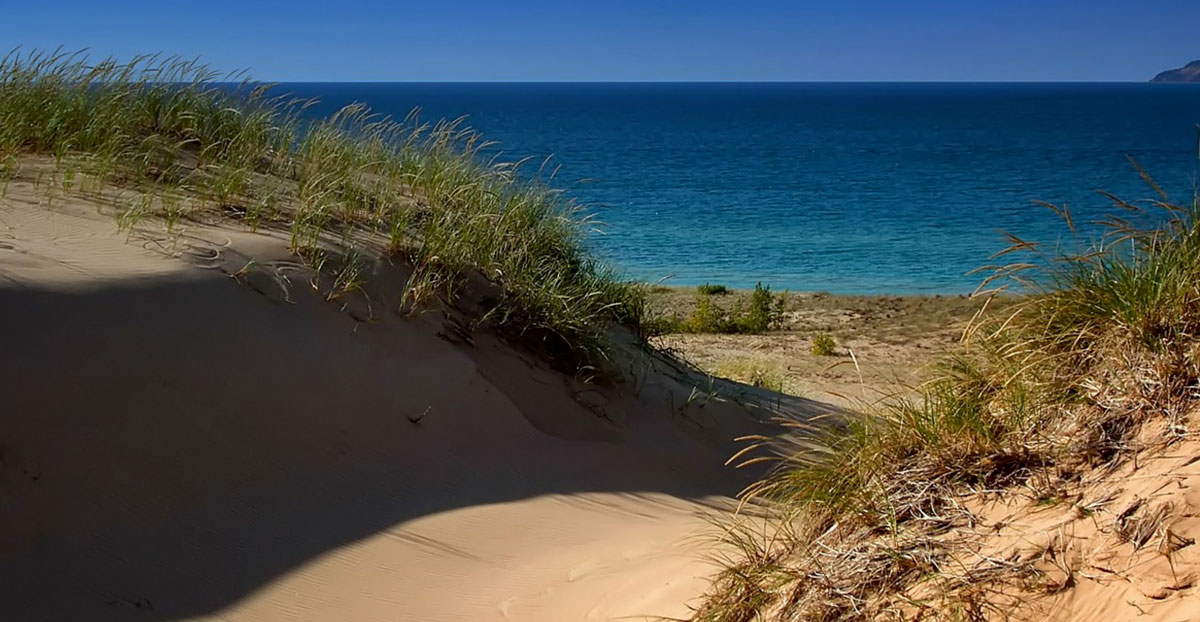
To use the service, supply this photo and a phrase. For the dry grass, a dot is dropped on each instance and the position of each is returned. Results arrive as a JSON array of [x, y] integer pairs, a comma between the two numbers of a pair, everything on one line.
[[1060, 383], [754, 372]]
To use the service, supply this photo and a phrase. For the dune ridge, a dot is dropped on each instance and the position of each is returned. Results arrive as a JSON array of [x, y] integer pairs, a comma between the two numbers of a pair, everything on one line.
[[186, 440]]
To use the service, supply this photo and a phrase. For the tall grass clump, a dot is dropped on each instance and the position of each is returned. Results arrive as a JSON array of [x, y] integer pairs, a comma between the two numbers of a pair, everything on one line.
[[1099, 357], [195, 148]]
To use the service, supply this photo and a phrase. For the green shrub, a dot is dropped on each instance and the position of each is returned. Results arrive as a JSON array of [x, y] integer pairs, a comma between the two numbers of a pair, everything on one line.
[[706, 317], [709, 289], [759, 313], [824, 345]]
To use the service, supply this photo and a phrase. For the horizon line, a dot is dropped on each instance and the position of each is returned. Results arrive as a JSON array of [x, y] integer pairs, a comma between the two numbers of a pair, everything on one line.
[[374, 81]]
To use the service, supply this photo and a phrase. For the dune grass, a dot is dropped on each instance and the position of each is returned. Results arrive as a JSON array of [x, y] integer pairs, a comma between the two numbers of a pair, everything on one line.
[[194, 148], [1098, 345], [754, 372]]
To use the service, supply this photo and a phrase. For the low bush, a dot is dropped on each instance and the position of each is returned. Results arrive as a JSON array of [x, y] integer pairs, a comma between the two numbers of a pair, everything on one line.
[[758, 313], [823, 345]]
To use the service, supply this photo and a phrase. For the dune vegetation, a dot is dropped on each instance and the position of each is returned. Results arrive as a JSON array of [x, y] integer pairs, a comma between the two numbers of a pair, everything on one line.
[[1098, 359], [349, 190], [761, 311], [1099, 348]]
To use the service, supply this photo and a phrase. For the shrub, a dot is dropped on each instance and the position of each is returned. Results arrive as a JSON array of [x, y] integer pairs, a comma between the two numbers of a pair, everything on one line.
[[706, 317], [760, 313], [824, 345], [710, 289]]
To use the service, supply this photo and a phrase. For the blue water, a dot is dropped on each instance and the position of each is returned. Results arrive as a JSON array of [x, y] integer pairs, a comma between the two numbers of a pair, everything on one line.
[[847, 188]]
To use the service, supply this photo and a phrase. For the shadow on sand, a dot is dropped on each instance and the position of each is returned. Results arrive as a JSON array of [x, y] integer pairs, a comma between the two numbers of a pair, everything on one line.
[[168, 447]]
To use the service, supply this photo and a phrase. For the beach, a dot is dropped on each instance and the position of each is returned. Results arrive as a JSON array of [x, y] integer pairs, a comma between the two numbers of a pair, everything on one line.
[[263, 363], [884, 346]]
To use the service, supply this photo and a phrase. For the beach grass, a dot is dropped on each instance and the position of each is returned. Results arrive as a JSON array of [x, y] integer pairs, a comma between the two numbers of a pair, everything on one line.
[[1098, 345], [197, 145]]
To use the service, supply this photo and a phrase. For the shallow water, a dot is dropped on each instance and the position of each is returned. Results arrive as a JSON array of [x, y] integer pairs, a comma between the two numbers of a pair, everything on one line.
[[849, 188]]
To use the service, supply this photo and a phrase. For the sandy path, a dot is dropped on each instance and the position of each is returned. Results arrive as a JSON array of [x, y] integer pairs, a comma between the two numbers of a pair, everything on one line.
[[176, 445]]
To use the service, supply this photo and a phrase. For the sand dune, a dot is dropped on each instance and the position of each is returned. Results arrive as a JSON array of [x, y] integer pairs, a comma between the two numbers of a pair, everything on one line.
[[177, 444]]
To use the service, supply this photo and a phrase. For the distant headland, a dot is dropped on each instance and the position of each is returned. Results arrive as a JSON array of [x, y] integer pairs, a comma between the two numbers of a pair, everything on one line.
[[1187, 73]]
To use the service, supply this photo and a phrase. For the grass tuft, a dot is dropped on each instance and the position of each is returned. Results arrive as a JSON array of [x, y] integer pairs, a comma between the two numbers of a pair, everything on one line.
[[1097, 345], [823, 345], [754, 372]]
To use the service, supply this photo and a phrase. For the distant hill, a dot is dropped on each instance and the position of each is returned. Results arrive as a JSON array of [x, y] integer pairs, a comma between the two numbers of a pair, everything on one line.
[[1187, 73]]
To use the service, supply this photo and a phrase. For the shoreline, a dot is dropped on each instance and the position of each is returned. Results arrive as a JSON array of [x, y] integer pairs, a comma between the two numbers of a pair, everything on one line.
[[659, 287], [379, 378], [883, 344]]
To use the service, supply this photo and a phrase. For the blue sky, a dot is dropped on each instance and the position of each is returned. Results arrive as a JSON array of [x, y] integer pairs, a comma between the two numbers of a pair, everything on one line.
[[648, 40]]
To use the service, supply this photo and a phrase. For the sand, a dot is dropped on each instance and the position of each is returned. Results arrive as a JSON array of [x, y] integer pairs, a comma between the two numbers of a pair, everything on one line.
[[183, 437], [177, 443], [1120, 545], [885, 344]]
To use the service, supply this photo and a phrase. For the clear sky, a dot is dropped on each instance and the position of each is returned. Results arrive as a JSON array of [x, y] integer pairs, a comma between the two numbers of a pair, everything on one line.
[[632, 40]]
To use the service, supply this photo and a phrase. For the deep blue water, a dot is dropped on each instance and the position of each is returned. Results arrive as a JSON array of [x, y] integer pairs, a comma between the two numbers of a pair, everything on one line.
[[848, 188]]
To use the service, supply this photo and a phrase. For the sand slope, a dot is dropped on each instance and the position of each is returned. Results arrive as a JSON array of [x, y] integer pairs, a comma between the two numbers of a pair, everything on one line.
[[1122, 546], [176, 444]]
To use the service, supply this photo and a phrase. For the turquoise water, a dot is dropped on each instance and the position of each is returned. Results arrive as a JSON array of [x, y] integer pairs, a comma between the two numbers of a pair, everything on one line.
[[848, 188]]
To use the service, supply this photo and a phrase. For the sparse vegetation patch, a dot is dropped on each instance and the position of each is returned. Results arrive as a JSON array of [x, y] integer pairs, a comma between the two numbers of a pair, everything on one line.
[[762, 311], [709, 289]]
